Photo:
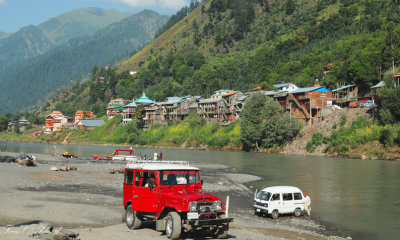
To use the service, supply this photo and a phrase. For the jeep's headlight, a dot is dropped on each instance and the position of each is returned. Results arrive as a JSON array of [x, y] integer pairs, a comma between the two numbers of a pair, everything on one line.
[[216, 206], [193, 206]]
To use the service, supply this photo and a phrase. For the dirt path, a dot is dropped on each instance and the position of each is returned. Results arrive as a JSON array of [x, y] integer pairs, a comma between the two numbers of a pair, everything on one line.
[[65, 141]]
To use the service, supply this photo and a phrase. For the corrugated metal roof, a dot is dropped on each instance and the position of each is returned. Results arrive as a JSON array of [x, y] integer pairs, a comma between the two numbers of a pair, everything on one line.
[[132, 104], [308, 89], [344, 87], [91, 123], [210, 100], [144, 99], [380, 84], [281, 85]]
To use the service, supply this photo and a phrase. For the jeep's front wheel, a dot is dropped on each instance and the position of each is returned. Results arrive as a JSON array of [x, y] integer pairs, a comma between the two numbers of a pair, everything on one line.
[[132, 221], [173, 225]]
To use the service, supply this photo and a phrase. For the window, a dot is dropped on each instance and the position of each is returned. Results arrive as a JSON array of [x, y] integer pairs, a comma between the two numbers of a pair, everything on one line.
[[137, 178], [276, 197], [297, 196], [287, 196], [264, 196], [129, 177], [179, 177]]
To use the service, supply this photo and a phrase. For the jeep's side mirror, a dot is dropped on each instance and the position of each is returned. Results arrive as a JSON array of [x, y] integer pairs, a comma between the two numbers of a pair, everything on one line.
[[201, 182]]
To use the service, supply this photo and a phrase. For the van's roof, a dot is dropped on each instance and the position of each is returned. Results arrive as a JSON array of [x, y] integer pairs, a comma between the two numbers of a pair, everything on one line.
[[159, 165], [279, 189]]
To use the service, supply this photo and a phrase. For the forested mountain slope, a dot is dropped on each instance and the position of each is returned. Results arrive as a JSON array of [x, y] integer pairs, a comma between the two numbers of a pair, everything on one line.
[[30, 84], [239, 44], [32, 41]]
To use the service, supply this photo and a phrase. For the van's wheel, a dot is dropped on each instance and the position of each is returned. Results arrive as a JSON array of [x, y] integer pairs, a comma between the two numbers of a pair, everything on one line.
[[131, 218], [275, 214], [257, 213], [173, 225], [297, 212]]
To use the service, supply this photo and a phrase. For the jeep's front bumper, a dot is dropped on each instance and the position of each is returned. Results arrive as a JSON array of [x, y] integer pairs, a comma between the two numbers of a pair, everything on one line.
[[208, 222]]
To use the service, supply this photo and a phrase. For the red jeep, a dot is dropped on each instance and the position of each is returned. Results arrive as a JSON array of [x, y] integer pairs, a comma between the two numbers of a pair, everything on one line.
[[170, 192]]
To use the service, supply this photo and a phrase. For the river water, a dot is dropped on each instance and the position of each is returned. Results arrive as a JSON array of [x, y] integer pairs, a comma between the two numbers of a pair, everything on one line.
[[359, 198]]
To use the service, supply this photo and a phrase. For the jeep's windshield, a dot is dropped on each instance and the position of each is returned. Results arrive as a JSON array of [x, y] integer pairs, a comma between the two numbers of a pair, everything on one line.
[[179, 177], [263, 195]]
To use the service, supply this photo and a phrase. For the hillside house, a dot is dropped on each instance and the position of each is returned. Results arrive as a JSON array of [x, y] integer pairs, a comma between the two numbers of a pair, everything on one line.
[[55, 124], [88, 125], [286, 87], [305, 104], [153, 116], [169, 108], [128, 111], [144, 101], [344, 94], [83, 115], [220, 93], [232, 105], [115, 107], [211, 109]]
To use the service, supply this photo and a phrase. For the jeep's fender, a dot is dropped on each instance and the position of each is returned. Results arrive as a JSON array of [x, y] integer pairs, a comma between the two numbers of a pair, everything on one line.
[[165, 212]]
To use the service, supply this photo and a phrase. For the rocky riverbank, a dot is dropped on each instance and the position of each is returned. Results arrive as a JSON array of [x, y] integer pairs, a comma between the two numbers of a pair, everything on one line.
[[86, 204]]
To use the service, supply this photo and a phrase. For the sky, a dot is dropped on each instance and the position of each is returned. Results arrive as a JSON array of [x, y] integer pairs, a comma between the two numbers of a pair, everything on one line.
[[15, 14]]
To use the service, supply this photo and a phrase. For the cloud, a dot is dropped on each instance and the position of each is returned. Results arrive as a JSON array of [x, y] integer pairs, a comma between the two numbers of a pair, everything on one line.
[[170, 4]]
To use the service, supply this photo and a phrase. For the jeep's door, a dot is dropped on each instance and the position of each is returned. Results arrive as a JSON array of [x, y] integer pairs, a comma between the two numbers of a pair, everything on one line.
[[127, 189], [146, 194]]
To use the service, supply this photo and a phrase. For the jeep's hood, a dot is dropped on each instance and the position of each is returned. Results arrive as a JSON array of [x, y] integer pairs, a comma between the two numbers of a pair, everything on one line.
[[189, 195]]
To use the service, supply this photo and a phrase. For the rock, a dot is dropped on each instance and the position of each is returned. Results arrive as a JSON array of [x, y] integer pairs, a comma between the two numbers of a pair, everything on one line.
[[73, 168], [54, 168], [64, 168], [221, 183], [251, 187]]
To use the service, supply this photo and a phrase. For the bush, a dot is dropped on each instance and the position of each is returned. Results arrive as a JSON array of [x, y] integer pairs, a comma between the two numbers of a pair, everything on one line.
[[310, 146], [343, 120], [386, 137], [317, 138]]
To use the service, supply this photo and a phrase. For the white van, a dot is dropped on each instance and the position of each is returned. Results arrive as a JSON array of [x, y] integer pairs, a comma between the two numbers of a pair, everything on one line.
[[279, 200]]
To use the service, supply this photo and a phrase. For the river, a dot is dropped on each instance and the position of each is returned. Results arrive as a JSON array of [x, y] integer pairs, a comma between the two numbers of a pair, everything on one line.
[[359, 198]]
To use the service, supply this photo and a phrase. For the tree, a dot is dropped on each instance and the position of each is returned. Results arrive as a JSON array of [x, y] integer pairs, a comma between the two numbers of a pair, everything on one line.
[[3, 123], [290, 7], [263, 125]]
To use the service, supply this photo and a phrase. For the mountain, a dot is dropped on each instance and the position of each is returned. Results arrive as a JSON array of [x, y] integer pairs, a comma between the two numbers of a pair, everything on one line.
[[32, 41], [42, 76], [4, 35], [239, 44]]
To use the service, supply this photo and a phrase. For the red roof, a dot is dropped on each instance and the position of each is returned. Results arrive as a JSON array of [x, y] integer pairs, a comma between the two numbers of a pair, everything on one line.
[[256, 88]]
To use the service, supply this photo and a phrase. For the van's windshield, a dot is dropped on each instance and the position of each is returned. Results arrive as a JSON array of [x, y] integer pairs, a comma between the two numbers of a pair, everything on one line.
[[264, 196], [179, 177]]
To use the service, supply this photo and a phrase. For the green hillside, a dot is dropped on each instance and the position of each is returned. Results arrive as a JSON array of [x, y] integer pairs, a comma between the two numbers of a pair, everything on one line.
[[56, 69], [240, 44]]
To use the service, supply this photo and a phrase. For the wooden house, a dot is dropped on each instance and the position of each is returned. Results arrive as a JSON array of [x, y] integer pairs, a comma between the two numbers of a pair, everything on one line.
[[211, 109], [115, 107], [344, 94], [305, 104]]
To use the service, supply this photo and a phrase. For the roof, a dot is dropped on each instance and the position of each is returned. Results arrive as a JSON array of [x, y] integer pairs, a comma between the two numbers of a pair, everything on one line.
[[397, 75], [170, 101], [230, 93], [210, 100], [281, 85], [91, 123], [256, 88], [144, 99], [311, 89], [344, 87], [380, 84], [222, 91], [276, 189], [270, 93], [160, 165], [132, 104], [242, 98]]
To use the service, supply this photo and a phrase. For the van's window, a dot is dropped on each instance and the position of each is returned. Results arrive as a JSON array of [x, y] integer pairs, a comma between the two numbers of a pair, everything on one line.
[[137, 178], [297, 196], [276, 197], [129, 177], [287, 196], [263, 195]]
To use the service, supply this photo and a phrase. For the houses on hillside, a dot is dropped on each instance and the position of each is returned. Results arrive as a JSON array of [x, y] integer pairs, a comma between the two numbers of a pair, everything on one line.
[[56, 121]]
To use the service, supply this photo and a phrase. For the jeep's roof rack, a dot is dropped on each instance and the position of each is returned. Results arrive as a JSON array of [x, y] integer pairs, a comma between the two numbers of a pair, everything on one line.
[[134, 161]]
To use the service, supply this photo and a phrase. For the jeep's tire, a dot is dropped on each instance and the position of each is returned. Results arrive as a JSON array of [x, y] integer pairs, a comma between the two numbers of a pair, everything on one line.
[[297, 212], [132, 221], [275, 214], [173, 225]]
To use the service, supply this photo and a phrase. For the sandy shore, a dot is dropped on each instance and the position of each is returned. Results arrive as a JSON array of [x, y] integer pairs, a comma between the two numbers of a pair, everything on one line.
[[37, 203]]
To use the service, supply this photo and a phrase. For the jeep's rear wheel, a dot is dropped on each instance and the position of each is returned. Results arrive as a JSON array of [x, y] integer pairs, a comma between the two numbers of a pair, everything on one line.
[[132, 221], [222, 233], [173, 225], [297, 212], [275, 214]]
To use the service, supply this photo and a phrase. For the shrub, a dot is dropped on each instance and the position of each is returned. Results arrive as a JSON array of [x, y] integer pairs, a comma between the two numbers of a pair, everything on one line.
[[343, 120], [386, 137]]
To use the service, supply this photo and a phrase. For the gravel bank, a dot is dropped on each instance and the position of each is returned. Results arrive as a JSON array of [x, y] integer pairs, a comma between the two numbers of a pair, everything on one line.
[[88, 201]]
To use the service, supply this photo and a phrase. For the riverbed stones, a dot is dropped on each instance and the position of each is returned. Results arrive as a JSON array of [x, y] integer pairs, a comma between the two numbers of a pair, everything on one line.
[[54, 168]]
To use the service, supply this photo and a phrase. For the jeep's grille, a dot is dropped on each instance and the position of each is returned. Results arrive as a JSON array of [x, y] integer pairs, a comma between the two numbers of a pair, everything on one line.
[[204, 206]]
